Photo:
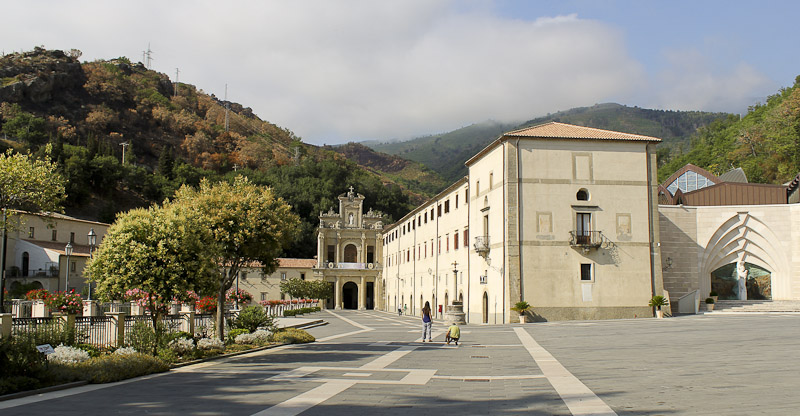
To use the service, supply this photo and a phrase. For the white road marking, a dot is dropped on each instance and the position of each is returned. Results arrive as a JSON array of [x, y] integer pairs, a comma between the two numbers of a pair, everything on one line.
[[307, 400], [490, 378], [578, 398]]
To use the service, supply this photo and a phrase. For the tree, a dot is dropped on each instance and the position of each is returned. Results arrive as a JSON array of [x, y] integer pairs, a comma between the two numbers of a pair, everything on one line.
[[247, 224], [161, 251], [26, 184], [295, 288]]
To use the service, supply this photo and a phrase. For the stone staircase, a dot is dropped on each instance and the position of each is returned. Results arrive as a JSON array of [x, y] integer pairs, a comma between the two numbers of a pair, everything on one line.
[[739, 306]]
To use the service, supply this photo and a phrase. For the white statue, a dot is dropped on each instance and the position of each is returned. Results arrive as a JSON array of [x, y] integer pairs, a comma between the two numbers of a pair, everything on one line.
[[741, 283]]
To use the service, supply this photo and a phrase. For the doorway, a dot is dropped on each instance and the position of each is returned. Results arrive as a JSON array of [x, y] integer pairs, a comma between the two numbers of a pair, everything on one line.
[[350, 296], [370, 295], [485, 308]]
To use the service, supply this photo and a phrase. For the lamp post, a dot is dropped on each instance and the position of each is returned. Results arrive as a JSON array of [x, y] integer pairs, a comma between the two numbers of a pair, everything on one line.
[[92, 241], [68, 252]]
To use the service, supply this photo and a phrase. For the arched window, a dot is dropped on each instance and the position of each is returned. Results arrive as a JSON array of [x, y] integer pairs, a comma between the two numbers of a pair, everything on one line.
[[350, 253], [582, 195]]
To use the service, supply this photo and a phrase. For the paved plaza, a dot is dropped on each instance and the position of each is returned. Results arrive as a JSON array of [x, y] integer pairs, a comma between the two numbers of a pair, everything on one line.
[[372, 363]]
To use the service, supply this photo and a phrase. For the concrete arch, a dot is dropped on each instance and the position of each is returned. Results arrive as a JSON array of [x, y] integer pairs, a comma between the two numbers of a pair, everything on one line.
[[745, 235]]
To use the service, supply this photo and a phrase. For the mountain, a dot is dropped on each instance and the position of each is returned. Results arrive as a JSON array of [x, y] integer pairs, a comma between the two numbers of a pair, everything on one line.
[[125, 136], [765, 143], [446, 153]]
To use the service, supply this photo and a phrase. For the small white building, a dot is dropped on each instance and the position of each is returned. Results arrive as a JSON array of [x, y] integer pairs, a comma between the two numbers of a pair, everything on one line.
[[36, 251]]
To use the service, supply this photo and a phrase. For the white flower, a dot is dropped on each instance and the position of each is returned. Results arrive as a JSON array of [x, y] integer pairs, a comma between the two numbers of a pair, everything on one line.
[[68, 355], [261, 336], [125, 351], [182, 345], [245, 339], [210, 344]]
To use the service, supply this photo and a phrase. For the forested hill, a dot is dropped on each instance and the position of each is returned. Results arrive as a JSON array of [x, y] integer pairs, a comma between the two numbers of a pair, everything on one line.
[[446, 153], [765, 143], [173, 134]]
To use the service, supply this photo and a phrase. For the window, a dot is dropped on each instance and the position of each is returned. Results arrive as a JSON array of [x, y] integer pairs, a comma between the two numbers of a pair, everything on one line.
[[466, 196], [431, 247], [31, 232], [456, 199], [455, 240], [446, 206], [466, 238], [419, 220], [72, 266], [263, 295], [426, 250], [55, 235], [477, 188], [586, 271], [72, 238], [447, 242], [283, 275], [426, 217], [485, 225], [440, 245], [582, 195], [283, 296], [439, 210], [491, 180], [302, 276], [431, 213]]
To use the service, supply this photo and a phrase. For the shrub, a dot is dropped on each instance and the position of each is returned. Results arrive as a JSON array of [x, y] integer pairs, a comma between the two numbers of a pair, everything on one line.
[[182, 345], [140, 337], [109, 368], [246, 338], [19, 357], [262, 337], [14, 384], [210, 344], [37, 294], [64, 302], [233, 333], [125, 351], [292, 336], [252, 318], [68, 355], [91, 349]]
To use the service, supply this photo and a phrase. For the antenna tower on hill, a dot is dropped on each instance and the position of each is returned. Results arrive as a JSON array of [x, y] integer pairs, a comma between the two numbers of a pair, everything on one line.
[[147, 57], [227, 106]]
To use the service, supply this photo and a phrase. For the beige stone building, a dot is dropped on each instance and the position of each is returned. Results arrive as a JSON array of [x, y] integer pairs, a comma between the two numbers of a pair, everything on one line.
[[268, 286], [36, 251], [348, 253], [563, 217]]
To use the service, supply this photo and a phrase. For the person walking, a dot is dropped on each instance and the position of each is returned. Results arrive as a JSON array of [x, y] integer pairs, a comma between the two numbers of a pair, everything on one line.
[[427, 322]]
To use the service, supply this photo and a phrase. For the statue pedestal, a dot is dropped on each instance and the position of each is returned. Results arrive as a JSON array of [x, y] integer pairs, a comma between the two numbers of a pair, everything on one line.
[[455, 313]]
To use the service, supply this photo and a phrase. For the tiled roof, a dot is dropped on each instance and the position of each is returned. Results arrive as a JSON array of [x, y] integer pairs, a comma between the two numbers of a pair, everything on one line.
[[297, 263], [79, 250], [289, 263], [569, 131]]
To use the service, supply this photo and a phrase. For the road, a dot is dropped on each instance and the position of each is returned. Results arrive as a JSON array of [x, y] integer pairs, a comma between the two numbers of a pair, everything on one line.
[[372, 363]]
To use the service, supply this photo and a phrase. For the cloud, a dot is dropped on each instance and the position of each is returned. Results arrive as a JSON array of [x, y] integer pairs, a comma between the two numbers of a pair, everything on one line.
[[692, 81]]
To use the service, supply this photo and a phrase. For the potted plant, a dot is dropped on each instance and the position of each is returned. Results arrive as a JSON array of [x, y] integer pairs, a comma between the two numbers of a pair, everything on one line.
[[710, 304], [713, 295], [657, 302], [522, 307]]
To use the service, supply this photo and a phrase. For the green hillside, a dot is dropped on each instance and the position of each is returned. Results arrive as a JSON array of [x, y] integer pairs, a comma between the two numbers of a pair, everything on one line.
[[446, 153], [765, 143], [172, 134]]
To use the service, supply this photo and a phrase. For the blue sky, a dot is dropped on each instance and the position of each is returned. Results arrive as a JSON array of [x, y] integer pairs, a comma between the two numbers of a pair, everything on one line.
[[348, 70]]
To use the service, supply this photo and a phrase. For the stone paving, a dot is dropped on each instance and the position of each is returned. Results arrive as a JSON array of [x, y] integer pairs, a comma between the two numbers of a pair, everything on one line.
[[372, 363]]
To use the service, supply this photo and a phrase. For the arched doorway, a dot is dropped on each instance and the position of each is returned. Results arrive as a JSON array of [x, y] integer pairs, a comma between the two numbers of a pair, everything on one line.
[[446, 298], [724, 281], [350, 296], [26, 263], [485, 308], [350, 253]]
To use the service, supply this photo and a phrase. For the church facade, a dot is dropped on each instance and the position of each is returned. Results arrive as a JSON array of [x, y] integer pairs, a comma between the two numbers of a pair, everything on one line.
[[348, 254]]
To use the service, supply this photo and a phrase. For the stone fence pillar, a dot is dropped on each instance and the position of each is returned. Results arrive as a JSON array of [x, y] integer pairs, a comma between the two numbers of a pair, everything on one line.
[[90, 308], [6, 321], [118, 327], [188, 322]]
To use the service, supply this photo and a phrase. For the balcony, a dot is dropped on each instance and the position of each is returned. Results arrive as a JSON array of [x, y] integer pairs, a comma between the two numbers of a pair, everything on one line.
[[586, 239], [482, 245], [352, 266]]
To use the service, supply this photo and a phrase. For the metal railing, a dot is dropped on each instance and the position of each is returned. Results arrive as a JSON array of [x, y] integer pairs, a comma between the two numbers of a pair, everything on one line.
[[99, 330], [586, 238], [20, 325], [46, 272]]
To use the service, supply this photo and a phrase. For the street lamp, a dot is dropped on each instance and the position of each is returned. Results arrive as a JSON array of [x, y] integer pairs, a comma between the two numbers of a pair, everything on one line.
[[92, 241], [68, 252]]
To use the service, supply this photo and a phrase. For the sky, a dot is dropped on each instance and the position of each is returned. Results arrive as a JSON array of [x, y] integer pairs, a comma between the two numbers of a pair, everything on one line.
[[334, 71]]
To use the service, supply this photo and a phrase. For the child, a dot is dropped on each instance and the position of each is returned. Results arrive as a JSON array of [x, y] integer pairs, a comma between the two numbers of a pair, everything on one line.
[[453, 334]]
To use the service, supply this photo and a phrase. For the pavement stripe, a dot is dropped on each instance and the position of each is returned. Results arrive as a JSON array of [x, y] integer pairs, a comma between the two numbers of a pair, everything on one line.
[[307, 400], [578, 398]]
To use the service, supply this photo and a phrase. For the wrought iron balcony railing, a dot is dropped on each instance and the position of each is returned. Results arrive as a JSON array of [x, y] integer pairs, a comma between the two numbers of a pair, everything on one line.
[[586, 239]]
